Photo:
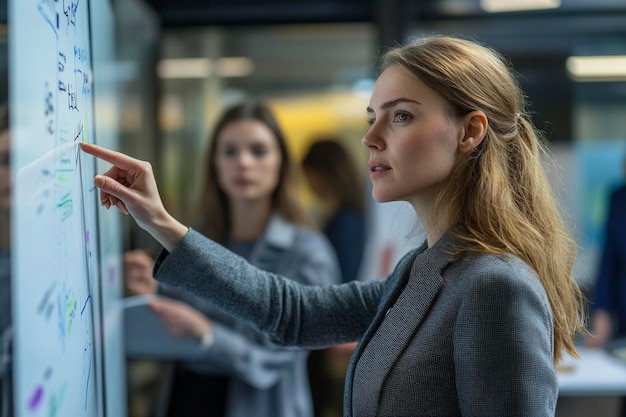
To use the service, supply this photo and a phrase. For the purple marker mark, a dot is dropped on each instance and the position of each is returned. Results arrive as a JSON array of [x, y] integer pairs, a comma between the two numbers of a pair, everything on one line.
[[35, 399]]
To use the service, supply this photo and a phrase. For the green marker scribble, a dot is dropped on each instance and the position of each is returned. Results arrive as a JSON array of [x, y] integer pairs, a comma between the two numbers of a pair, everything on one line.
[[70, 312], [56, 401], [63, 178], [66, 206]]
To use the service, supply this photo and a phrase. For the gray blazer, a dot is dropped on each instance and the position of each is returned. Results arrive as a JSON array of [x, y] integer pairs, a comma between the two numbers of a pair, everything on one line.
[[268, 380], [439, 337]]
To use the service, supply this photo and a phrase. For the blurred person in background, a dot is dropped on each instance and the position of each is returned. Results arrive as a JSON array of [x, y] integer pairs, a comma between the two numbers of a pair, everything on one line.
[[250, 205], [6, 409], [608, 304], [333, 176]]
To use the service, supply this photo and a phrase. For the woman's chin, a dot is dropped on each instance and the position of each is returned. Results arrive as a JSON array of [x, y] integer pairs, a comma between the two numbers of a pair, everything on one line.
[[381, 198]]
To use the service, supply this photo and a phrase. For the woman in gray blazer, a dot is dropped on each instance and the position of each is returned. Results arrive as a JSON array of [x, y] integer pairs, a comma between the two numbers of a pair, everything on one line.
[[472, 322], [250, 206]]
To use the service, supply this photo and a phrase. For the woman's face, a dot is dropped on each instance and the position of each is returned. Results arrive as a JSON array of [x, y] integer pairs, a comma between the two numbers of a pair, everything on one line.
[[412, 139], [247, 160]]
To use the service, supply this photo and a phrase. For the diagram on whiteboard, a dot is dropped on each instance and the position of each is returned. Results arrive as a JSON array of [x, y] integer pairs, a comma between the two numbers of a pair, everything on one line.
[[55, 264]]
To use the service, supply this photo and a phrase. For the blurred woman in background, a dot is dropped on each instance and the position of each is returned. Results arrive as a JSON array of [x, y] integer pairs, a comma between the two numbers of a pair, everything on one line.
[[250, 205]]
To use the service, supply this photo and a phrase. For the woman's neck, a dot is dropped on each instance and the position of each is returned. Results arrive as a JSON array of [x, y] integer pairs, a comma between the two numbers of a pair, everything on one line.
[[249, 219], [435, 224]]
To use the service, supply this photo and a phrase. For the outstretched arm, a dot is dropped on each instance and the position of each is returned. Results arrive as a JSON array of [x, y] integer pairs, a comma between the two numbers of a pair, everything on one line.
[[288, 312], [130, 186]]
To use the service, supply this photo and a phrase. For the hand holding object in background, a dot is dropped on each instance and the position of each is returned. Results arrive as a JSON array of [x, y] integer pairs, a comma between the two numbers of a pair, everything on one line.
[[181, 319], [138, 278], [600, 329]]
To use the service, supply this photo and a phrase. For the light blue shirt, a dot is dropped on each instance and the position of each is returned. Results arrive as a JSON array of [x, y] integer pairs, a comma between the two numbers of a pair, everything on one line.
[[266, 380]]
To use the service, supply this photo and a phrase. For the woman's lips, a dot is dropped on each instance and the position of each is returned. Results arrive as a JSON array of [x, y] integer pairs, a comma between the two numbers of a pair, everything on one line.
[[242, 182], [377, 169]]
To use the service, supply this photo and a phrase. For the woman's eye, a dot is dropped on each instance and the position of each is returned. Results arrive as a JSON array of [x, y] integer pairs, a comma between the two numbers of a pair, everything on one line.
[[370, 121], [401, 117], [259, 152], [229, 151]]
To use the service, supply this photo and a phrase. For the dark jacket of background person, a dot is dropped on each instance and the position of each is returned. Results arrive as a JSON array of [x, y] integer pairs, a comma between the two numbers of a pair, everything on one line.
[[610, 286], [263, 379]]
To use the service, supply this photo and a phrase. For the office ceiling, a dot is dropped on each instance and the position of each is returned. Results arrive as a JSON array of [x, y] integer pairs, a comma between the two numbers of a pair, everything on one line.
[[177, 13]]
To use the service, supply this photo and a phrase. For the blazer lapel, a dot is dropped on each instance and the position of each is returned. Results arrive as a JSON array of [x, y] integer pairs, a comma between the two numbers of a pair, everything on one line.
[[395, 326]]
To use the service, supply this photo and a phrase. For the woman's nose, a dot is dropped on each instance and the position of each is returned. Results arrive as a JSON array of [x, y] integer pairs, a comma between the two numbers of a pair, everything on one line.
[[372, 138], [245, 158]]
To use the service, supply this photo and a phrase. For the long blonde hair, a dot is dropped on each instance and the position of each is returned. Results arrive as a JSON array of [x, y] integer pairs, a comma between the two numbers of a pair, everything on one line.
[[499, 195]]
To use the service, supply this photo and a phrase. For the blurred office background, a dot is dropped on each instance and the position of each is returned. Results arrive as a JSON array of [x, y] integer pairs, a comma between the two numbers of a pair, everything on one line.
[[315, 61], [180, 61]]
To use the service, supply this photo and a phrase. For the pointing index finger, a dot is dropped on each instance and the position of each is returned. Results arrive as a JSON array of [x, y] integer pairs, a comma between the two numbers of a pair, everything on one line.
[[117, 159]]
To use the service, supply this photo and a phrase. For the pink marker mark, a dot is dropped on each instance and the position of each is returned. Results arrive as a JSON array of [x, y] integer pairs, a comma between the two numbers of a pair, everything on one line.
[[112, 275]]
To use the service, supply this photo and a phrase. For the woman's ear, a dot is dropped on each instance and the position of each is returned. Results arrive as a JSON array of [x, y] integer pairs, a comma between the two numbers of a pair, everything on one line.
[[475, 124]]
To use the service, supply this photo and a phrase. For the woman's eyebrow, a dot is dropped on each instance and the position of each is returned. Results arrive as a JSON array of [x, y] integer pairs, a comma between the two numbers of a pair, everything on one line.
[[392, 103]]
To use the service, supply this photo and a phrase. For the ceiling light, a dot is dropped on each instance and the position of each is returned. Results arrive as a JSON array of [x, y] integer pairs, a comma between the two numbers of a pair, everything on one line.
[[184, 68], [234, 67], [204, 67], [499, 6], [597, 68]]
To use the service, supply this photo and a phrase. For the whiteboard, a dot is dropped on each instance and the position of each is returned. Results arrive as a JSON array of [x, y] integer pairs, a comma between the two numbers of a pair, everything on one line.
[[60, 303]]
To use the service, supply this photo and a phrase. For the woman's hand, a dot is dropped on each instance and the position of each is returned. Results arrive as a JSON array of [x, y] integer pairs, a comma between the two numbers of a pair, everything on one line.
[[181, 319], [130, 186], [601, 330], [138, 278]]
